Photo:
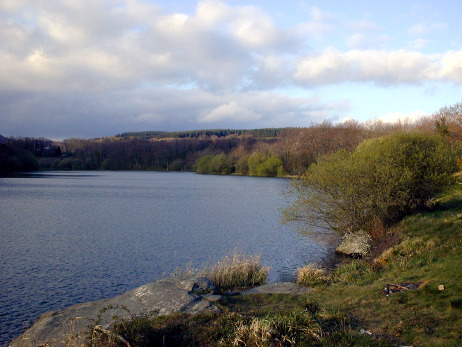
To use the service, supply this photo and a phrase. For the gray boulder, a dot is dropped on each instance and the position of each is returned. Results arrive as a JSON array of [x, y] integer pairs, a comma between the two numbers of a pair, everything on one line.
[[355, 244], [72, 325]]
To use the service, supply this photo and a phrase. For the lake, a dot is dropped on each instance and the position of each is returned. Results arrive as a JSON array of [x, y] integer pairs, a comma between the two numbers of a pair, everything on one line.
[[72, 237]]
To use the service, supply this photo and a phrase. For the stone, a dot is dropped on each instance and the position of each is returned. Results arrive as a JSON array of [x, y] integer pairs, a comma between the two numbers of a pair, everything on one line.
[[196, 284], [212, 297], [355, 245], [71, 326]]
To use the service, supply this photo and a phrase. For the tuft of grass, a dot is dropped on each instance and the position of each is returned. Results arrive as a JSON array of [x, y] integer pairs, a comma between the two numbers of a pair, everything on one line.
[[237, 271], [312, 275]]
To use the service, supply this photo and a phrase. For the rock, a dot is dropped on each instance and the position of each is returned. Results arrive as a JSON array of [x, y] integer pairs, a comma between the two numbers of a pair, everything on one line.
[[70, 326], [355, 245], [197, 285], [212, 297], [278, 288]]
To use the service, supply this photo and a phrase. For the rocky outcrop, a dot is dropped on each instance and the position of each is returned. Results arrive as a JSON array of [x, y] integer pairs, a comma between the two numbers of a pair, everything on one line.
[[72, 325], [355, 245]]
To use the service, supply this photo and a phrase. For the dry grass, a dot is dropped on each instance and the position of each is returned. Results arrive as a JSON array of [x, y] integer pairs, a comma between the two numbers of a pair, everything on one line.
[[312, 275], [237, 271]]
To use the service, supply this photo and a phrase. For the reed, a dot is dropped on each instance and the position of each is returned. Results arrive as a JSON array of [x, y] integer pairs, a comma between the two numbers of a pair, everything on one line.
[[237, 271]]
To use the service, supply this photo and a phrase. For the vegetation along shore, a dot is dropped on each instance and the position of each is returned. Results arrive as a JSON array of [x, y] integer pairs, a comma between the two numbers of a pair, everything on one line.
[[399, 185]]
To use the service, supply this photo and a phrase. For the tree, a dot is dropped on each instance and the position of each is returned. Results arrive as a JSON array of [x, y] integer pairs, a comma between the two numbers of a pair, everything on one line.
[[448, 121], [202, 165], [219, 165], [383, 180], [271, 167]]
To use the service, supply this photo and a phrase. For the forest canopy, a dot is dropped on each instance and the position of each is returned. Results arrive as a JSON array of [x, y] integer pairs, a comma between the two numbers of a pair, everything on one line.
[[258, 152]]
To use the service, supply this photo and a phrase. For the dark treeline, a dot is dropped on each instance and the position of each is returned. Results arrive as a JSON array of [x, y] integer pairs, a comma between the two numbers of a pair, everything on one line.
[[138, 154], [22, 153], [256, 133], [261, 152]]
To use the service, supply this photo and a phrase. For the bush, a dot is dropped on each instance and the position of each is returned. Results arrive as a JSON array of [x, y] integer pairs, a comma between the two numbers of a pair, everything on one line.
[[383, 180], [265, 166]]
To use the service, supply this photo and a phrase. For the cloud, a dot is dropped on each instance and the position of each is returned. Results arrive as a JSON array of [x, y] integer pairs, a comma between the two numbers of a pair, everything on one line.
[[452, 66], [419, 44], [73, 68], [421, 29], [95, 114], [377, 66], [395, 117], [231, 111]]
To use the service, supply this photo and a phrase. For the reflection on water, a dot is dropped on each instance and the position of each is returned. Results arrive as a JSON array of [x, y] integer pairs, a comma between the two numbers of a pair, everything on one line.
[[70, 237]]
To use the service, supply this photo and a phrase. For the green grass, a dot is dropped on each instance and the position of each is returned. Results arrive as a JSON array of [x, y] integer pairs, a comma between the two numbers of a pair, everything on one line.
[[430, 255], [344, 302]]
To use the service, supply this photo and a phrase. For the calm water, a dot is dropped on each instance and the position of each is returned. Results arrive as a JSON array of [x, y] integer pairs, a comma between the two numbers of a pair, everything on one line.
[[67, 238]]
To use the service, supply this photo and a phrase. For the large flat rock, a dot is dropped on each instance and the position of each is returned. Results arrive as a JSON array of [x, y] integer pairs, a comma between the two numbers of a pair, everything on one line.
[[70, 326]]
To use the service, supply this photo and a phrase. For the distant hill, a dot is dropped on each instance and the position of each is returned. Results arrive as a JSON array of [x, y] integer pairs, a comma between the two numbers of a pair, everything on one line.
[[3, 139], [257, 133]]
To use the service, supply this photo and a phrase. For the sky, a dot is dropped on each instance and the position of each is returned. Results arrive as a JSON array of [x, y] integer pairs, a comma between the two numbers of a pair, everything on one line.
[[96, 68]]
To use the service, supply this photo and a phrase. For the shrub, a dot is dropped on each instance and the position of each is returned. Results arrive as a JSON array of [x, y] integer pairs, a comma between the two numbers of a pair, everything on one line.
[[383, 180]]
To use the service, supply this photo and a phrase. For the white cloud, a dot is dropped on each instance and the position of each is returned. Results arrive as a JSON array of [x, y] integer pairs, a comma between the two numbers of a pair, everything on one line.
[[94, 114], [418, 30], [421, 29], [377, 66], [419, 44], [230, 111], [364, 25], [126, 63], [395, 117], [452, 66]]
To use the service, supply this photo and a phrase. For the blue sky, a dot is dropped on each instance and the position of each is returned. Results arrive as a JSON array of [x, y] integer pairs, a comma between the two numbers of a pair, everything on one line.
[[86, 68]]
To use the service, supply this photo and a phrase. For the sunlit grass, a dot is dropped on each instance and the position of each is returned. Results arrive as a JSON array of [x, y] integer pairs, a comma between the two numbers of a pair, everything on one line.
[[236, 271]]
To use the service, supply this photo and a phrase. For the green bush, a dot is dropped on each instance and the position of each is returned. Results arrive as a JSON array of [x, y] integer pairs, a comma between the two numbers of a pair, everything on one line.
[[265, 166], [383, 180]]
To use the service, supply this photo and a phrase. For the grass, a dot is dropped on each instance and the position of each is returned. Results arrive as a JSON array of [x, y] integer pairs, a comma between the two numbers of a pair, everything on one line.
[[354, 310], [430, 254], [256, 320], [236, 271], [312, 275]]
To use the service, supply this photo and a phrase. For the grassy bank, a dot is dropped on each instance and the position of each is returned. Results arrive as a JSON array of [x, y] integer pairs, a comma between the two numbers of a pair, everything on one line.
[[348, 306], [429, 255]]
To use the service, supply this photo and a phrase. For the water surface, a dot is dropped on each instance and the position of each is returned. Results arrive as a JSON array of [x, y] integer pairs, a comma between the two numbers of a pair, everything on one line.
[[72, 237]]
